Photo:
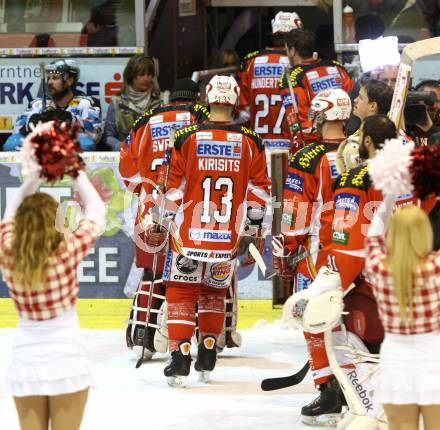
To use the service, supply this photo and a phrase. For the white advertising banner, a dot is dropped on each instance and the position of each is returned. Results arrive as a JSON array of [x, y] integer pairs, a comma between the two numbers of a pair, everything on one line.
[[108, 269], [20, 82]]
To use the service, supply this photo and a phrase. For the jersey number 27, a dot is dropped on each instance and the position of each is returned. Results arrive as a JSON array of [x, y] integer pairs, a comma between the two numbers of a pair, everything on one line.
[[264, 103]]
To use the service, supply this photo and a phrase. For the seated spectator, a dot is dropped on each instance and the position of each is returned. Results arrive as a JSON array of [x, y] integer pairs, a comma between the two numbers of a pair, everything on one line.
[[223, 58], [101, 27], [63, 104], [139, 93], [42, 40]]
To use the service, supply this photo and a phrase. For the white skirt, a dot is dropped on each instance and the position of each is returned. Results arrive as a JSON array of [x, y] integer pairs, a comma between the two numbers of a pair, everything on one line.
[[48, 358], [409, 369]]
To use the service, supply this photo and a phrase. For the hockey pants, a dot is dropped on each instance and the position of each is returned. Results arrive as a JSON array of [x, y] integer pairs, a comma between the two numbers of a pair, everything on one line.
[[182, 299]]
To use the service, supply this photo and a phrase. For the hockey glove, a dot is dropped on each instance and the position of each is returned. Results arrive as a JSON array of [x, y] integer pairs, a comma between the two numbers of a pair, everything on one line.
[[156, 238], [281, 260], [256, 230]]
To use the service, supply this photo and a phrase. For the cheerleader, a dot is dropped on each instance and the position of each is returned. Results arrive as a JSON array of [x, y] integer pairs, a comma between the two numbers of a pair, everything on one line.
[[405, 274], [49, 374]]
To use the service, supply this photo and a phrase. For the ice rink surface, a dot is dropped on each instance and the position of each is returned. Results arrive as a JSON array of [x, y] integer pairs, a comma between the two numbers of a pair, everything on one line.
[[125, 398]]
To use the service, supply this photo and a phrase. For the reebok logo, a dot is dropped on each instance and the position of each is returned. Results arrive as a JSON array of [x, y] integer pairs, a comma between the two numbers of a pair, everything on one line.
[[361, 391]]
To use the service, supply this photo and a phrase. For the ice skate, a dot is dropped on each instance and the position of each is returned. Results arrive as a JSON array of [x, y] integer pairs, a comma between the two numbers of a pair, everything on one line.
[[326, 409], [206, 358], [179, 366]]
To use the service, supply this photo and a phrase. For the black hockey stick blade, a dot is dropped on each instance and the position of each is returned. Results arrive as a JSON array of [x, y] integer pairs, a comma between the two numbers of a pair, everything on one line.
[[139, 362], [285, 381]]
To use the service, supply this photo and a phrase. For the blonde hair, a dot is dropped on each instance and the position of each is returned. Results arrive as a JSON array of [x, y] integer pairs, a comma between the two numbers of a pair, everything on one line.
[[409, 241], [35, 239]]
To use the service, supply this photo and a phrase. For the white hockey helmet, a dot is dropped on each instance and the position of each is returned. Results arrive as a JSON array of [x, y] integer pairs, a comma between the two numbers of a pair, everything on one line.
[[333, 104], [222, 90], [285, 21]]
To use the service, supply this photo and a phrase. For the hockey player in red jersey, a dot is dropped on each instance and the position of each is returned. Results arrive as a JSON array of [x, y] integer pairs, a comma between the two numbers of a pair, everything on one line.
[[355, 200], [260, 102], [142, 155], [307, 77], [308, 197], [217, 181]]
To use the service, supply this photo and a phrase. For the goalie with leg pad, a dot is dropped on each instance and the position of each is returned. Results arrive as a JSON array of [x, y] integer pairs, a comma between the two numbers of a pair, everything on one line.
[[353, 366]]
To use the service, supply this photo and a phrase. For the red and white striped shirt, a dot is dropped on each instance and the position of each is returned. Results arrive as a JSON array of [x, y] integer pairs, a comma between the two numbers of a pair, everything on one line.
[[60, 289], [426, 291]]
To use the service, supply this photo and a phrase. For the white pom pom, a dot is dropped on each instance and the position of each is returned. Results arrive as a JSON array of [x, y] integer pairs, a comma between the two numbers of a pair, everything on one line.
[[389, 169], [29, 163]]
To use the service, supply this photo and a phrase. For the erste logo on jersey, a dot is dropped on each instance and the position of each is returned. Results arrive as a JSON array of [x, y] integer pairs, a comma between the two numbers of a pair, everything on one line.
[[220, 155], [331, 157], [274, 70], [219, 149], [347, 201], [327, 82], [266, 73], [161, 131], [294, 183]]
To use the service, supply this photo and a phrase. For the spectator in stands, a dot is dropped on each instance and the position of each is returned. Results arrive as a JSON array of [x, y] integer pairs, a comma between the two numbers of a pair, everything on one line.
[[101, 27], [227, 58], [374, 98], [386, 74], [42, 40], [63, 104], [223, 58], [139, 94]]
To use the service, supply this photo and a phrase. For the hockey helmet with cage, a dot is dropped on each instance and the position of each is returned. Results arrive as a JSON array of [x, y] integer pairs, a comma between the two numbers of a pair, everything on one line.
[[222, 90], [331, 105], [66, 67], [285, 22]]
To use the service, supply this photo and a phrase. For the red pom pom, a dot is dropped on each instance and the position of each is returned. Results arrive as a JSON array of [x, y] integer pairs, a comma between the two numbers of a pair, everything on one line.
[[57, 151], [425, 170]]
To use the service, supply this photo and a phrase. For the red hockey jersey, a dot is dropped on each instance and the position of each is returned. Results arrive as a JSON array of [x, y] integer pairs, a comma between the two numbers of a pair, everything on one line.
[[355, 201], [308, 200], [142, 156], [143, 150], [259, 75], [308, 80], [216, 169]]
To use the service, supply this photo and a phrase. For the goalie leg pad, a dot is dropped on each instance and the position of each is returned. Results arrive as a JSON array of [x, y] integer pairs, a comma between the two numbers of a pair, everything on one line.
[[233, 337], [161, 334], [358, 379], [136, 329]]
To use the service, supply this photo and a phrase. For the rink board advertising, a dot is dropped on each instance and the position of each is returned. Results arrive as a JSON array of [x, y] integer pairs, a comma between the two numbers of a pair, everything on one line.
[[20, 83], [107, 270]]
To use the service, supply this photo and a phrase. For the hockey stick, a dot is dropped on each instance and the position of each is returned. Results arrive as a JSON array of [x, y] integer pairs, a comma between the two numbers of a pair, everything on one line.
[[295, 108], [410, 55], [285, 381], [260, 262], [43, 86], [167, 160], [292, 261]]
